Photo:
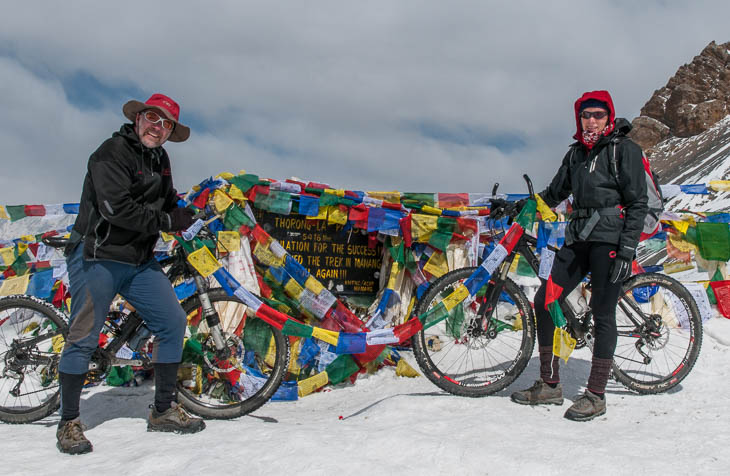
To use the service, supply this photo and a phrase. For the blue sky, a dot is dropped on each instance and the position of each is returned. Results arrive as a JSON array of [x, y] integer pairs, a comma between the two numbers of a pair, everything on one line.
[[381, 95]]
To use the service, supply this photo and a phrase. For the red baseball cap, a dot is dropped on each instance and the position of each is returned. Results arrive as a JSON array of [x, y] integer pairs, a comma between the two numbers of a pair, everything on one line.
[[165, 105]]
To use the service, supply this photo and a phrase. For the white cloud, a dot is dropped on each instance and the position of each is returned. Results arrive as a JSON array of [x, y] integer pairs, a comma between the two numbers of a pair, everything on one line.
[[331, 91]]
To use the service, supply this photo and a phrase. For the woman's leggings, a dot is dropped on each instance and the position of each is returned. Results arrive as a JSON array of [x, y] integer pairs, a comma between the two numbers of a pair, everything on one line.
[[572, 264]]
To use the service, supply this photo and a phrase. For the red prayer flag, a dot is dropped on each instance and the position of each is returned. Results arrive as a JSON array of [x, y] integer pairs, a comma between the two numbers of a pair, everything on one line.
[[271, 316], [405, 226], [512, 237], [202, 199], [35, 210], [552, 292], [260, 235], [408, 329], [451, 200]]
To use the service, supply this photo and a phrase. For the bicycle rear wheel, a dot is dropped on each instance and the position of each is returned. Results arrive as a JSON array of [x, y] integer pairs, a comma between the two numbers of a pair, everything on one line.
[[259, 357], [31, 340], [658, 347], [460, 354]]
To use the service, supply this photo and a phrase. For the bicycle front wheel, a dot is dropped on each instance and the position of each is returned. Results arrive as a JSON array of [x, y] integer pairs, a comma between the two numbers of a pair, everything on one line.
[[659, 333], [466, 354], [31, 340], [258, 357]]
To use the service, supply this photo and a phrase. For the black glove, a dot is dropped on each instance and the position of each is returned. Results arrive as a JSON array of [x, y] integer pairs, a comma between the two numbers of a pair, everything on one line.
[[178, 219], [497, 207], [519, 205], [620, 269]]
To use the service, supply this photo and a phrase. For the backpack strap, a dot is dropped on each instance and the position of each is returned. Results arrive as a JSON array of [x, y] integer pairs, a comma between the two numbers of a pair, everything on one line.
[[612, 159]]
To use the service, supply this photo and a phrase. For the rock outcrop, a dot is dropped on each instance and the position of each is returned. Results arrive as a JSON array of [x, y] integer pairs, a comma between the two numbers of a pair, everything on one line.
[[695, 98]]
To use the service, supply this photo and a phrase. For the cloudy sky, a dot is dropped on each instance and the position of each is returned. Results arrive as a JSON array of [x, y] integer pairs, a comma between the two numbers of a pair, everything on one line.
[[380, 95]]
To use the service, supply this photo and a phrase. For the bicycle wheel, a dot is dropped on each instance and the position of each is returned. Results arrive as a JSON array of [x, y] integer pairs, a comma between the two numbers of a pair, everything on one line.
[[31, 340], [259, 357], [656, 352], [466, 356]]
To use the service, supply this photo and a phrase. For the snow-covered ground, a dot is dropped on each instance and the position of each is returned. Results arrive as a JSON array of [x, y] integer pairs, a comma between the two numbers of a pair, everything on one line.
[[384, 424]]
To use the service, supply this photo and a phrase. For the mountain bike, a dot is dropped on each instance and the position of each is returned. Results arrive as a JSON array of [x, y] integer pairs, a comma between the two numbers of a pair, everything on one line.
[[486, 341], [233, 362]]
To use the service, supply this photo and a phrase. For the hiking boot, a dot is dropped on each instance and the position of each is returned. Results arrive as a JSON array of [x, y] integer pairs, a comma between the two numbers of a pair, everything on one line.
[[71, 439], [539, 394], [587, 407], [175, 419]]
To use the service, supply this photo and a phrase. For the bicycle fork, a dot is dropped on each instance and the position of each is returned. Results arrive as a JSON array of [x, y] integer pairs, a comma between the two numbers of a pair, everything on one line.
[[211, 317]]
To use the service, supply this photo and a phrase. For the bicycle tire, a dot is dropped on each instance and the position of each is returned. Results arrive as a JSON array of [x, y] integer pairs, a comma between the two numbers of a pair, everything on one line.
[[213, 394], [22, 319], [451, 359], [673, 352]]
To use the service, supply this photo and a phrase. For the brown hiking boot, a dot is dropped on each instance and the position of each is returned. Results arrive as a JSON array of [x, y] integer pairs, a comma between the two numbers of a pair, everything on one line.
[[175, 419], [539, 394], [587, 407], [71, 439]]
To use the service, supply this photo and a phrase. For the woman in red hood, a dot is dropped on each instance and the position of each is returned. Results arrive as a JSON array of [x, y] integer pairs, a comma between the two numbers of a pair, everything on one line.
[[604, 172]]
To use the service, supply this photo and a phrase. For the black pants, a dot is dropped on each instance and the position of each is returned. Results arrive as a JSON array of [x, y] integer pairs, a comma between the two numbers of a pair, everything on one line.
[[572, 264]]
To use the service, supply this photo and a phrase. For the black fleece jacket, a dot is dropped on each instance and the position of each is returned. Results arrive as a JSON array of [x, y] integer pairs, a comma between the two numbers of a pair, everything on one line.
[[126, 194], [587, 175]]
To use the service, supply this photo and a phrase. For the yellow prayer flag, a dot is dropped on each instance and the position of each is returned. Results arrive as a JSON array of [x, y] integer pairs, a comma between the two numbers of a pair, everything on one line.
[[513, 266], [15, 285], [431, 210], [166, 237], [228, 241], [3, 213], [313, 285], [391, 197], [293, 289], [28, 238], [321, 215], [325, 335], [403, 369], [394, 272], [563, 343], [545, 212], [338, 192], [236, 193], [263, 253], [456, 297], [437, 264], [422, 226], [7, 255], [336, 216], [309, 385], [203, 261], [221, 201], [682, 226], [679, 243], [58, 342], [22, 247], [677, 267], [720, 185], [225, 175]]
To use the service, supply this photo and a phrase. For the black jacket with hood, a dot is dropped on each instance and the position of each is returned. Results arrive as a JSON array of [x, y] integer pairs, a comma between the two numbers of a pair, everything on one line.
[[617, 205], [126, 194]]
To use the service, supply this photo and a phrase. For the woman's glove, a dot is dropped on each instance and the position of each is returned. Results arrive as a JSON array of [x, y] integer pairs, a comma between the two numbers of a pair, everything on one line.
[[620, 269], [179, 219]]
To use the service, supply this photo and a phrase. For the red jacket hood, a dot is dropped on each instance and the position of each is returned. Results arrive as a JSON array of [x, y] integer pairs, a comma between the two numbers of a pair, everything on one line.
[[601, 96]]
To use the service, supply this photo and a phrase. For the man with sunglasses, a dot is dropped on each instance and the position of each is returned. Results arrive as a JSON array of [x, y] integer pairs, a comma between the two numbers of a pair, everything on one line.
[[127, 199], [604, 172]]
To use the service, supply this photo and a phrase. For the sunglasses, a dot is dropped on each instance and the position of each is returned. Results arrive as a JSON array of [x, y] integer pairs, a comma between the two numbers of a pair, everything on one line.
[[153, 118], [596, 114]]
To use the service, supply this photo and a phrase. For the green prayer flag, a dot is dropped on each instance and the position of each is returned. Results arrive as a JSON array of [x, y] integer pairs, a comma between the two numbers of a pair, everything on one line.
[[524, 268], [440, 239], [557, 314], [19, 265], [417, 200], [397, 252], [15, 212], [119, 376], [328, 199], [245, 182], [714, 241], [434, 315], [276, 201], [293, 328], [527, 216], [257, 336], [193, 351], [341, 368], [235, 217], [455, 321]]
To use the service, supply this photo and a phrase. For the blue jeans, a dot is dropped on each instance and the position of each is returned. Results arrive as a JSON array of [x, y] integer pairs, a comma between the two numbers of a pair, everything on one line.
[[93, 286]]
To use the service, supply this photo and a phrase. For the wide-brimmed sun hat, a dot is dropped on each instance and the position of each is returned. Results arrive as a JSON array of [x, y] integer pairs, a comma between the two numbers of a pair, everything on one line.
[[166, 106]]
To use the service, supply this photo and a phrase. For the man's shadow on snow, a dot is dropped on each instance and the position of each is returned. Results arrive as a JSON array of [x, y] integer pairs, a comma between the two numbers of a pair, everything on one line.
[[110, 403]]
